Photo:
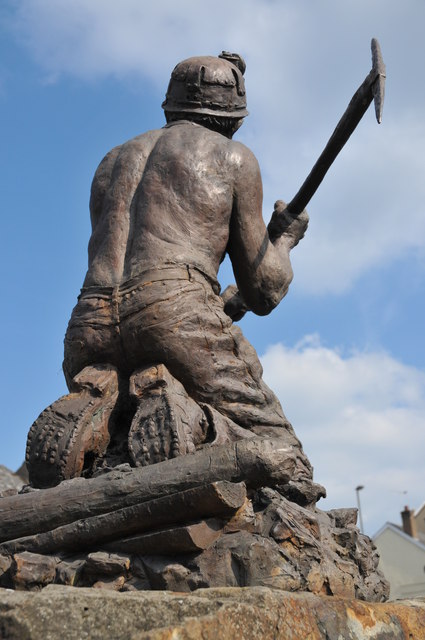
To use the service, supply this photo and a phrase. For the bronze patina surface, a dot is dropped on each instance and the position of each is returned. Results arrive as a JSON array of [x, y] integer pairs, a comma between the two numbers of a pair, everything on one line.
[[170, 464]]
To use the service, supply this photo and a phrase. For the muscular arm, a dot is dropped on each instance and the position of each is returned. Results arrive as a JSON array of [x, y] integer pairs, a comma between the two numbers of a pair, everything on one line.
[[262, 270]]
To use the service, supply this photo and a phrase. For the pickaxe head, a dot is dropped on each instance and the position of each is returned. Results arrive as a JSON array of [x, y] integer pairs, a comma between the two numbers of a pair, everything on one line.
[[378, 88]]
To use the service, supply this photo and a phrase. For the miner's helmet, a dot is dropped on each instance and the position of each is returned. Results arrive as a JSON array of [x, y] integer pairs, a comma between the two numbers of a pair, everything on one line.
[[209, 86]]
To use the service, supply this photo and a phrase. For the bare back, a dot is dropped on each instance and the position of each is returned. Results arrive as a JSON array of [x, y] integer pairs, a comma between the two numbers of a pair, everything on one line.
[[164, 197], [183, 195], [182, 208]]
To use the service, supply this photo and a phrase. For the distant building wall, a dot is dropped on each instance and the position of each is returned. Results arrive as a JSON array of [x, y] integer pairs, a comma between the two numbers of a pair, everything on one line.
[[402, 562], [420, 520]]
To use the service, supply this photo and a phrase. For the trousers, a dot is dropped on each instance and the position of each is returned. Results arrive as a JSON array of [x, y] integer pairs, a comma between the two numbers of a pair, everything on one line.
[[174, 316]]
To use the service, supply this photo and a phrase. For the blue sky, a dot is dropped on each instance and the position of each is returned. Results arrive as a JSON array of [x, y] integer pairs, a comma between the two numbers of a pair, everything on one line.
[[345, 349]]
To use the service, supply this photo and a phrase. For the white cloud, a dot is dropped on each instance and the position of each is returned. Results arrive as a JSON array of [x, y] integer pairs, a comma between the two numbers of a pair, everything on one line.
[[361, 419], [103, 37], [286, 43], [370, 211]]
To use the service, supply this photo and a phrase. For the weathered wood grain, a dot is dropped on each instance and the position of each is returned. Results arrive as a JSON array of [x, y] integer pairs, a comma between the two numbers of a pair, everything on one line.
[[169, 542], [219, 498], [256, 461]]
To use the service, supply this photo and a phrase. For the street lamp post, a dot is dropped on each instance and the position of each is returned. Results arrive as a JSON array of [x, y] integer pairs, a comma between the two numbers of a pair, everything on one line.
[[358, 489]]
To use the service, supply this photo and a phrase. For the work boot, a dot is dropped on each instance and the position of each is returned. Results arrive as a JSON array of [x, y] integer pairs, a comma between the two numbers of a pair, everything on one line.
[[72, 433], [167, 422]]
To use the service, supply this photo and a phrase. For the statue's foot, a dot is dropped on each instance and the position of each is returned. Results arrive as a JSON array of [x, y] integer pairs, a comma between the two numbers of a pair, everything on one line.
[[73, 432], [167, 422]]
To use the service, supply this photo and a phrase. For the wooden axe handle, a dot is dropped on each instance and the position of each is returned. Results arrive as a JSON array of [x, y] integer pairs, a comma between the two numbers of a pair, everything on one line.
[[372, 88]]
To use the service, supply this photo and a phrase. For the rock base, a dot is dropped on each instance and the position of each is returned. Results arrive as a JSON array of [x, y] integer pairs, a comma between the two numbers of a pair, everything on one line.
[[59, 612], [269, 541]]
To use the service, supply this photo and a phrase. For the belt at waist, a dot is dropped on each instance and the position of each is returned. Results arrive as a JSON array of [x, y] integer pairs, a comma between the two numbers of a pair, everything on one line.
[[158, 274]]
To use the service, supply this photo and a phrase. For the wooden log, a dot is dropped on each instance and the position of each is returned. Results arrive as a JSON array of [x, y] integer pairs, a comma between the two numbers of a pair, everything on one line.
[[169, 542], [216, 499], [257, 461]]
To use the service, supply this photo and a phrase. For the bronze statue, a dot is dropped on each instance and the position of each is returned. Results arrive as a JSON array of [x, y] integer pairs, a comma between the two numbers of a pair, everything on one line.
[[150, 328], [191, 474]]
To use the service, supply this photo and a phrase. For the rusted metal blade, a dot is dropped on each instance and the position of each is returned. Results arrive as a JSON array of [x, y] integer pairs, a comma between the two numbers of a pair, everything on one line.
[[378, 88]]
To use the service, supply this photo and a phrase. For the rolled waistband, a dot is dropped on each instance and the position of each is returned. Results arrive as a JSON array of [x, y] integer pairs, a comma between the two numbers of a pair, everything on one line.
[[158, 274]]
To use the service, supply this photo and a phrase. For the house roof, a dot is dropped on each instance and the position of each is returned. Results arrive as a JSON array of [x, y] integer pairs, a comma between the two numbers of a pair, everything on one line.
[[419, 509], [399, 531]]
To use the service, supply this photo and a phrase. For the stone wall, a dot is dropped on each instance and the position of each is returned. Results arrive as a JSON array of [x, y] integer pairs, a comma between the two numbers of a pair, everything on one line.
[[256, 613]]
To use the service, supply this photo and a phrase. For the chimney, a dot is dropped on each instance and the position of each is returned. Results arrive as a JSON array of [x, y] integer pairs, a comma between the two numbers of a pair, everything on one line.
[[409, 523]]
